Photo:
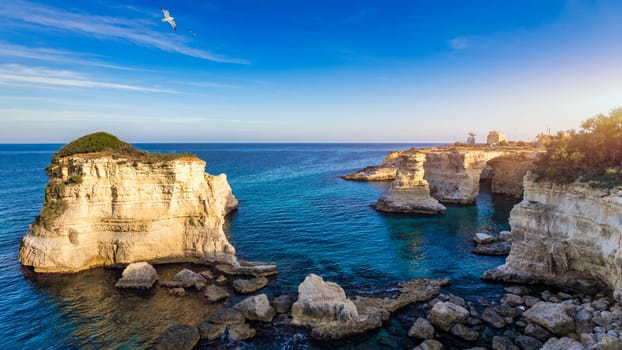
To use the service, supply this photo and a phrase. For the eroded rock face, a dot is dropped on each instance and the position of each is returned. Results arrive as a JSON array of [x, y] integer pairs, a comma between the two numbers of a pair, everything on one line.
[[565, 235], [109, 210], [425, 177]]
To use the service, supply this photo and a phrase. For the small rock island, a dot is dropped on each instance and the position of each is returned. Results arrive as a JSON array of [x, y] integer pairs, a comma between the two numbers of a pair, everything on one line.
[[108, 203]]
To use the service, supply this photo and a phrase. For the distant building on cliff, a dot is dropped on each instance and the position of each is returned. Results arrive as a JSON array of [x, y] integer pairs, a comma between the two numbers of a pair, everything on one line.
[[471, 139], [495, 137]]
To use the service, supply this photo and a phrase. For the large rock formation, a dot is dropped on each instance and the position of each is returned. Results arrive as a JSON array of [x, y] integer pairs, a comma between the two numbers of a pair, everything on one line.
[[111, 208], [565, 235], [424, 177]]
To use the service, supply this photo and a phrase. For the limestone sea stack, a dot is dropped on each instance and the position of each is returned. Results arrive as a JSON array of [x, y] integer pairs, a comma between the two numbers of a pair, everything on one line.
[[107, 203], [565, 235]]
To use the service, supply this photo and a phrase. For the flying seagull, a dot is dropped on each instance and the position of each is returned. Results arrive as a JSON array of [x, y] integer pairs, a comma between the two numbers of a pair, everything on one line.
[[168, 18]]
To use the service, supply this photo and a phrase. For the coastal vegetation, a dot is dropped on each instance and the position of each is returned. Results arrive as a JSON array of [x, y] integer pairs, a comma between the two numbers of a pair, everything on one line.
[[103, 143], [592, 154]]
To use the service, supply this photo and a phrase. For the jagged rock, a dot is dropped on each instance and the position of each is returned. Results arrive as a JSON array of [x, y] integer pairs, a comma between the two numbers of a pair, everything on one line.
[[282, 304], [527, 343], [211, 331], [493, 318], [186, 278], [243, 286], [178, 292], [239, 332], [227, 316], [213, 293], [446, 314], [179, 337], [496, 249], [120, 204], [430, 344], [562, 344], [249, 268], [503, 343], [421, 329], [256, 308], [512, 299], [554, 317], [483, 238], [137, 275], [535, 331], [464, 332]]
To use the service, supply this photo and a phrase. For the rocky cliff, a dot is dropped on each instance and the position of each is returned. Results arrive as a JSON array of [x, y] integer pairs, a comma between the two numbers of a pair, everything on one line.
[[424, 177], [108, 209], [565, 235]]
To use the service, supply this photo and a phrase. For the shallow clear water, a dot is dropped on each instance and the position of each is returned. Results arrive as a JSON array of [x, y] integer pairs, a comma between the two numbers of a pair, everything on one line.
[[294, 209]]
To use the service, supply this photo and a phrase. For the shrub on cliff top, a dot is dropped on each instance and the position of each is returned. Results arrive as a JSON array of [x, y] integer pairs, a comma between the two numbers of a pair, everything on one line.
[[103, 142], [593, 154]]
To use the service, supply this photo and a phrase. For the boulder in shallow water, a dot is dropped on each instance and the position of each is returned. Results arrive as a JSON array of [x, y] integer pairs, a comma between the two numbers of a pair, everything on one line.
[[256, 308], [496, 248], [430, 344], [179, 337], [249, 268], [421, 329], [137, 275], [211, 331], [214, 294], [446, 314], [483, 238], [464, 332], [227, 316], [282, 304], [186, 279], [244, 286], [239, 332]]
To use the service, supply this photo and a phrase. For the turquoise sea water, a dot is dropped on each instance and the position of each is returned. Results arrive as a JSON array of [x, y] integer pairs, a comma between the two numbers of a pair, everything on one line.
[[294, 210]]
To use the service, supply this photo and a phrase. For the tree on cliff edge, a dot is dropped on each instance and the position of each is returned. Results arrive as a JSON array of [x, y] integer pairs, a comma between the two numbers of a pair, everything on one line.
[[593, 154]]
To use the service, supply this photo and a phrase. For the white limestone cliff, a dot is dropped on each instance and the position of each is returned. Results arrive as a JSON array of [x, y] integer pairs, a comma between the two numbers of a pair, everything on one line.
[[103, 210], [568, 235]]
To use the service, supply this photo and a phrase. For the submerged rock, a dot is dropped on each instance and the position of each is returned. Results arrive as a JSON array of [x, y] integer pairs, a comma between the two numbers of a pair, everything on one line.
[[430, 344], [179, 337], [249, 268], [137, 275], [186, 278], [421, 329], [227, 316], [243, 286]]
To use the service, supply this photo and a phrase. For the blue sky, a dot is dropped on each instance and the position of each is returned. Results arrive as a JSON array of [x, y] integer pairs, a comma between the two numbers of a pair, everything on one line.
[[305, 71]]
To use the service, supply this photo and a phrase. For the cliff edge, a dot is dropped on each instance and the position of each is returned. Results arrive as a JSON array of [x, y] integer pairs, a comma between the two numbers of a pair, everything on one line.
[[565, 234], [108, 203]]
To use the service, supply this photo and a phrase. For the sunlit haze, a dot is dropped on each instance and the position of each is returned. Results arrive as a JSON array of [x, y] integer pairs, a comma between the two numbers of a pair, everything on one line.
[[305, 71]]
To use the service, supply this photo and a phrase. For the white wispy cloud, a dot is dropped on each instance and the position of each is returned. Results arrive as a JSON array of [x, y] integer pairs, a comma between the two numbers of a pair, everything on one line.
[[459, 43], [133, 30], [54, 55], [12, 74]]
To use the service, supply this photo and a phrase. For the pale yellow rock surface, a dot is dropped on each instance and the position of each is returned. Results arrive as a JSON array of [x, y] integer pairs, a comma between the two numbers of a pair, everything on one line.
[[125, 210], [425, 177], [565, 234]]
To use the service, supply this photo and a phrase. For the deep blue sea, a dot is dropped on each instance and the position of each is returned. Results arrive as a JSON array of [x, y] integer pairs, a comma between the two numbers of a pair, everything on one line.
[[294, 210]]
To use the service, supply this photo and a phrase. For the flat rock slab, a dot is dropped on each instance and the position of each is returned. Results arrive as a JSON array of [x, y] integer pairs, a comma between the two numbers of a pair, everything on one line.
[[213, 293], [244, 286], [186, 279], [137, 275], [483, 238], [179, 337], [501, 248], [249, 268]]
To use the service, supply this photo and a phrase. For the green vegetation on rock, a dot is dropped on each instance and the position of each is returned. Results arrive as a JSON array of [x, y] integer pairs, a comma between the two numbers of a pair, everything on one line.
[[107, 144], [593, 154]]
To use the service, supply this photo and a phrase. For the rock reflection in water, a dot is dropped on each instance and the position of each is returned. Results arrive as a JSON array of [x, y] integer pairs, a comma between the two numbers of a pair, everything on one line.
[[101, 314]]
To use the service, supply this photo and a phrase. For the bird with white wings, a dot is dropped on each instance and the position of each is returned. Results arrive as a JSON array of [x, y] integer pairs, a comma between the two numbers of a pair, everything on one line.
[[168, 18]]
